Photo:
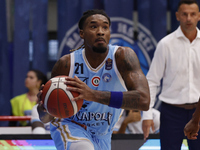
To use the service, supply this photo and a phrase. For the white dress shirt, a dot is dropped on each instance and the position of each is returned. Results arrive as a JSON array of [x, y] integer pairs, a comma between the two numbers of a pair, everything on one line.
[[136, 127], [176, 61]]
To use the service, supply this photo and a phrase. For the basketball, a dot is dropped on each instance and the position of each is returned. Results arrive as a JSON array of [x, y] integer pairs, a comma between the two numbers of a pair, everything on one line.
[[57, 100]]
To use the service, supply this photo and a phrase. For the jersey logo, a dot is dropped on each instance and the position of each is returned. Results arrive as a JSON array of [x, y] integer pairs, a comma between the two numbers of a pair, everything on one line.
[[106, 77], [95, 81], [84, 79], [108, 64]]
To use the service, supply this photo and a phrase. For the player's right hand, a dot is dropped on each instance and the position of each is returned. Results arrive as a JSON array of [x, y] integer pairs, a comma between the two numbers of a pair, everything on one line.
[[40, 102]]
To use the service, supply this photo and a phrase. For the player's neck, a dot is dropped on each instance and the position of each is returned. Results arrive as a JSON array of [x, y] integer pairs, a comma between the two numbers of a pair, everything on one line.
[[94, 58]]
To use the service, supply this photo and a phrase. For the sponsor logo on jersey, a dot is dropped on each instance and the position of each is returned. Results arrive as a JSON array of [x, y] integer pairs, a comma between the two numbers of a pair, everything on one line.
[[106, 77], [84, 79], [108, 64], [99, 118], [95, 81]]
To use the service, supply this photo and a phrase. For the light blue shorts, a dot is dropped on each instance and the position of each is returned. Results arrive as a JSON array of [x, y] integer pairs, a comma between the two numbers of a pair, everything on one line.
[[70, 133]]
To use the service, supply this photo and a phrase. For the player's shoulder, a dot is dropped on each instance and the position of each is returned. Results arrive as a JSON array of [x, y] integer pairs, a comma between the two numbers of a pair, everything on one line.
[[123, 52], [65, 58], [62, 66]]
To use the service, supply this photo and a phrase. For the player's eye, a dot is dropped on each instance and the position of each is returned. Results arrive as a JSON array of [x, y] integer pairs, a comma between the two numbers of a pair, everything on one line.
[[93, 27]]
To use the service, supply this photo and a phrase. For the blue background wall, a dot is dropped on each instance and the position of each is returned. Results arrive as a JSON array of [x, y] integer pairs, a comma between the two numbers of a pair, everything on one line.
[[30, 24]]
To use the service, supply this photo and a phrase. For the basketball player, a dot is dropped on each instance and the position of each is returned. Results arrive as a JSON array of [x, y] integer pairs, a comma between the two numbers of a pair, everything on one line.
[[176, 62], [192, 127], [108, 78]]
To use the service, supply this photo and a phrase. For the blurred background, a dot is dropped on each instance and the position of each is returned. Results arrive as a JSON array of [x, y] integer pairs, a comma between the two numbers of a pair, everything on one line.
[[34, 34]]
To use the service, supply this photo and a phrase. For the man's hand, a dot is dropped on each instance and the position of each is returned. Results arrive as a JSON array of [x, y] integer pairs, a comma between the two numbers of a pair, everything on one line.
[[133, 116], [191, 130], [146, 125]]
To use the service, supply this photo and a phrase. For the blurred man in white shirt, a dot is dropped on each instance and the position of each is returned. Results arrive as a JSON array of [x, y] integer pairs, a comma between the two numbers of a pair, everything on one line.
[[176, 62]]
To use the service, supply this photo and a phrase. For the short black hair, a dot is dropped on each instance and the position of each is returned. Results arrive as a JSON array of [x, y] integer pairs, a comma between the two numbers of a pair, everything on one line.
[[187, 2], [40, 76], [90, 13]]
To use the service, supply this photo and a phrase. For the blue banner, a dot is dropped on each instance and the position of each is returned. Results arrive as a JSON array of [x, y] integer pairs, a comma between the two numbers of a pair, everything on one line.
[[173, 6], [5, 83], [121, 15], [152, 27], [39, 35], [69, 13], [21, 45], [125, 25]]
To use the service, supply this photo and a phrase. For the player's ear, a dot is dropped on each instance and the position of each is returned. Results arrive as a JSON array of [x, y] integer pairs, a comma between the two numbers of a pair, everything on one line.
[[81, 33]]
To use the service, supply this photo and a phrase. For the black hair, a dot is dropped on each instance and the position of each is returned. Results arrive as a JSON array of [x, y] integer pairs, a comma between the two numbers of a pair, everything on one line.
[[90, 13], [40, 76], [187, 2]]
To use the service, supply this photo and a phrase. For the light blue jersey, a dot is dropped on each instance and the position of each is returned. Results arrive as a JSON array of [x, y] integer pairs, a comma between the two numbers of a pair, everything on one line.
[[99, 119]]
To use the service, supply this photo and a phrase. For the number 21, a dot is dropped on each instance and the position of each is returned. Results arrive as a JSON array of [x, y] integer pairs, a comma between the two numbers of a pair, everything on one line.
[[77, 65]]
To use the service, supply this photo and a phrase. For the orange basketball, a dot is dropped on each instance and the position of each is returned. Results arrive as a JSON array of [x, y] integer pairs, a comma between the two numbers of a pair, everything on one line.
[[57, 100]]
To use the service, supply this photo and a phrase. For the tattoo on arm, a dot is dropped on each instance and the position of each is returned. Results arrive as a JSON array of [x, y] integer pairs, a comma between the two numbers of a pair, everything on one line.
[[129, 68]]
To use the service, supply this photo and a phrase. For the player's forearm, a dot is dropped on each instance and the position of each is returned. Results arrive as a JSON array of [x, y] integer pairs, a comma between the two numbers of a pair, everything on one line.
[[131, 99], [135, 100]]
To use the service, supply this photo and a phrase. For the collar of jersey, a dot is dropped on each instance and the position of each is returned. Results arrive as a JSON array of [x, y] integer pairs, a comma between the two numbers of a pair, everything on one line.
[[88, 65]]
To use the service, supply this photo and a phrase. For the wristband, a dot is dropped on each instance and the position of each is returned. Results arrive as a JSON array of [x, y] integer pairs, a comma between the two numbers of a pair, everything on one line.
[[116, 99]]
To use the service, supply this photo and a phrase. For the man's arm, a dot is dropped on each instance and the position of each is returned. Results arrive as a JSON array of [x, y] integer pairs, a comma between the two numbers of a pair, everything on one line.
[[137, 96], [133, 116], [61, 67], [154, 76], [192, 127]]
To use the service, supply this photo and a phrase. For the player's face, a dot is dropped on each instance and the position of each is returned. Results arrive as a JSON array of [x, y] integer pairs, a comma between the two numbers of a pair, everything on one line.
[[96, 33], [188, 16], [31, 80]]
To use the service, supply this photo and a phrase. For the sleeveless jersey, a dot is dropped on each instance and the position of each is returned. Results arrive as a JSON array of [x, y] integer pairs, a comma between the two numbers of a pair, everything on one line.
[[99, 118]]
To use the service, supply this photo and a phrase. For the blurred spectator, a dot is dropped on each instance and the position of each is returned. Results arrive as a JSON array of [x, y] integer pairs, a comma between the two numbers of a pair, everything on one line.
[[37, 126], [131, 122], [22, 104]]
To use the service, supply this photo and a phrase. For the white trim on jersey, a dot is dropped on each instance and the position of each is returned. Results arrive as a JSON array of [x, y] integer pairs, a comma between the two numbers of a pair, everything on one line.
[[88, 64], [71, 65], [116, 70]]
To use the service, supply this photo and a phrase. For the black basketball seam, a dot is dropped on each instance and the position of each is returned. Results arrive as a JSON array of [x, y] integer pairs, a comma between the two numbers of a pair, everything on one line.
[[71, 101], [58, 97]]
